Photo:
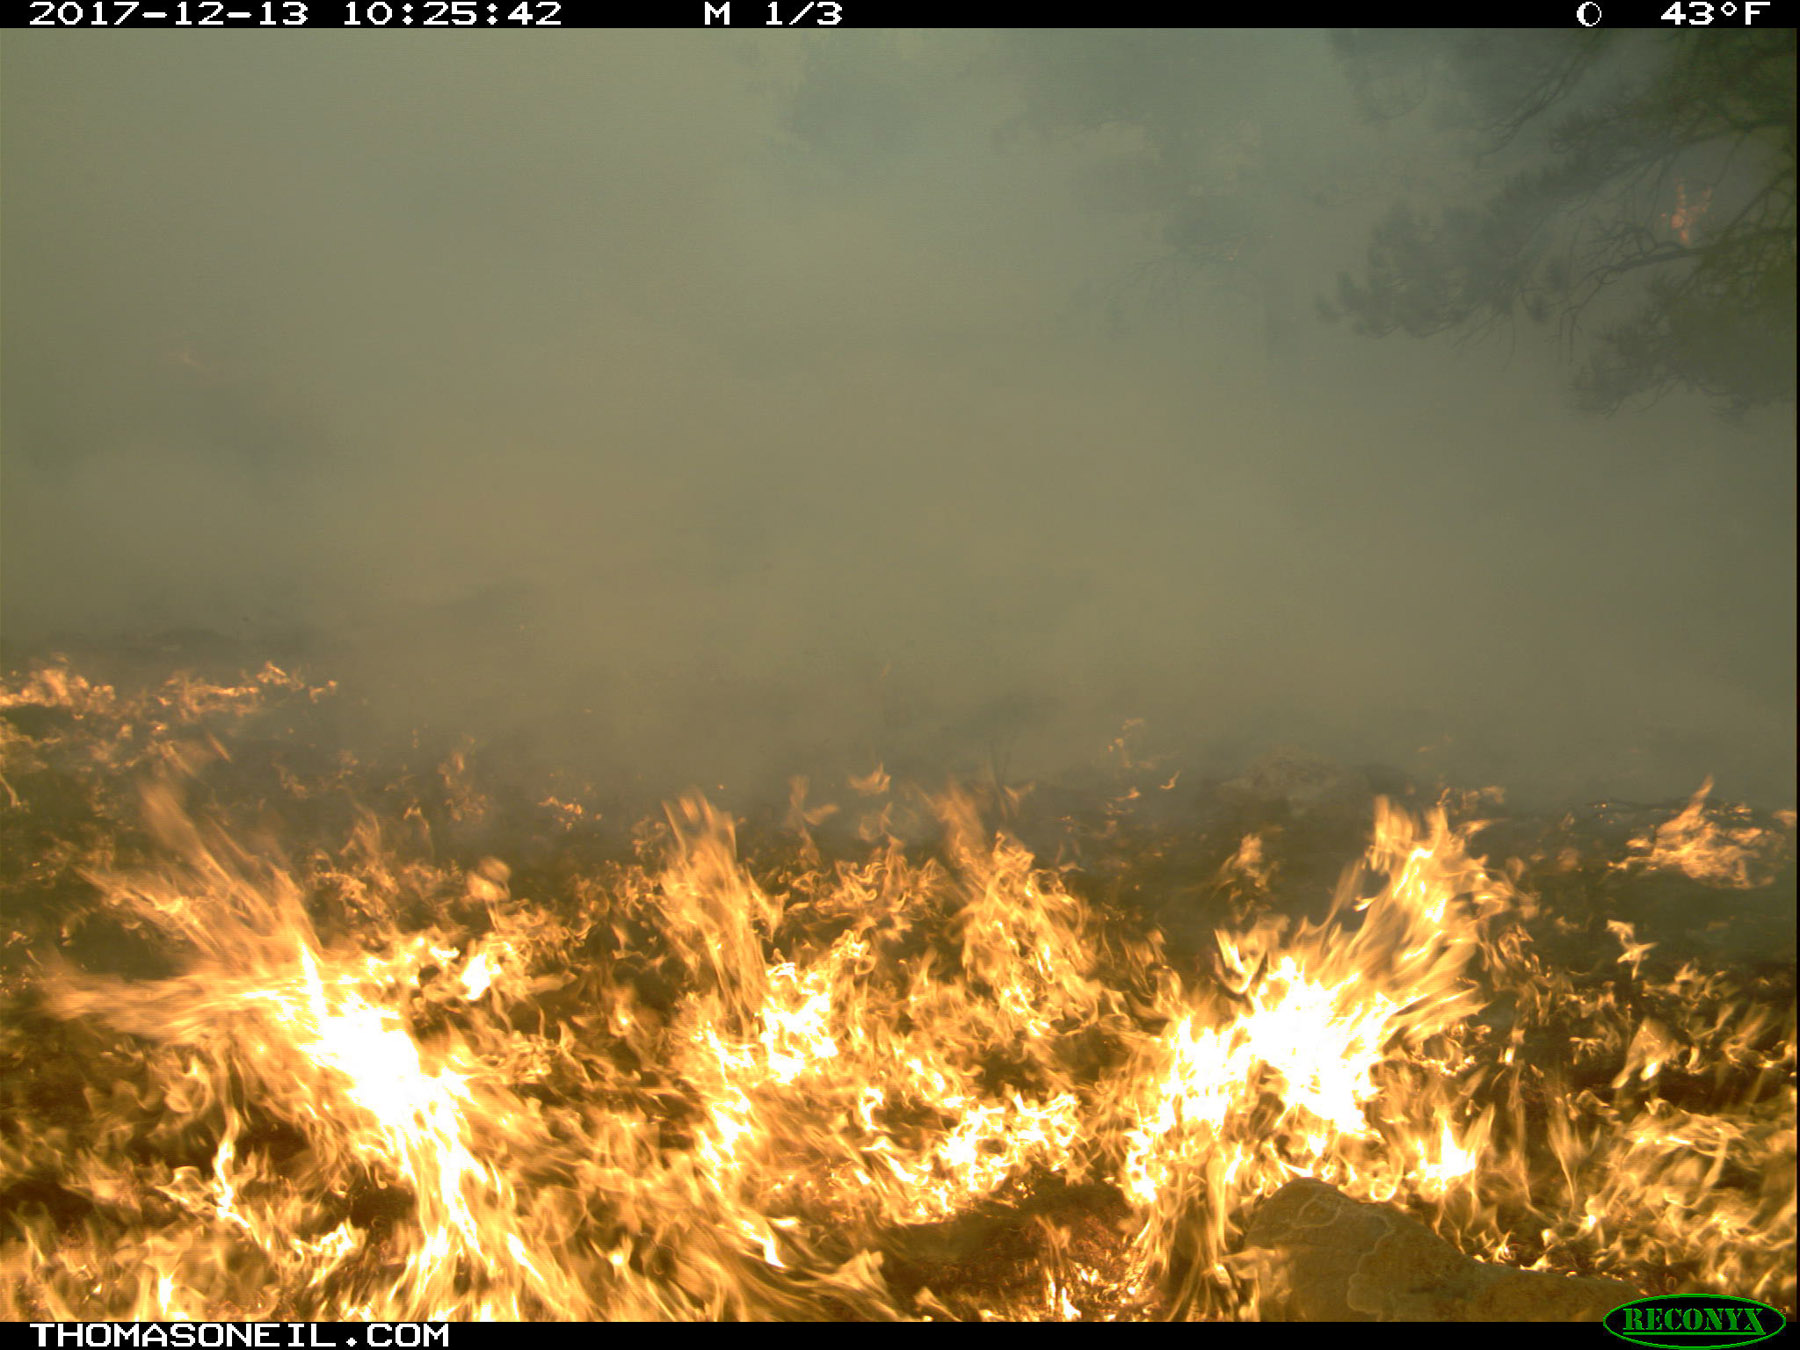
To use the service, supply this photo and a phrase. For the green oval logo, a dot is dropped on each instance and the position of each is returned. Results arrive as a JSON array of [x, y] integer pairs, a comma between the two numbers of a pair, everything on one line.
[[1712, 1320]]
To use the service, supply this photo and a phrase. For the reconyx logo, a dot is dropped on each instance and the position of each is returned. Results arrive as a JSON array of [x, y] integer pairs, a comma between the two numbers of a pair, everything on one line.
[[1684, 1320]]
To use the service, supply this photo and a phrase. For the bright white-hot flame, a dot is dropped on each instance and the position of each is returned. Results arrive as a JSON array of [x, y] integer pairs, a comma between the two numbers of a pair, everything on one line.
[[368, 1085]]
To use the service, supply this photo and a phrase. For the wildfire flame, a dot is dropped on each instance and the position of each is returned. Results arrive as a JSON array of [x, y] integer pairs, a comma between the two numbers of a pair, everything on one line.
[[1721, 847], [358, 1077]]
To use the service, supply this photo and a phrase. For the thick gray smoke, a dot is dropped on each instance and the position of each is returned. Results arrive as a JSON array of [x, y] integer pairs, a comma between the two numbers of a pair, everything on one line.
[[705, 408]]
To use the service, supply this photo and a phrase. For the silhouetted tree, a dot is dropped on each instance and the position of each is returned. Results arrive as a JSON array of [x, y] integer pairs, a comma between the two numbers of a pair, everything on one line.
[[1643, 198]]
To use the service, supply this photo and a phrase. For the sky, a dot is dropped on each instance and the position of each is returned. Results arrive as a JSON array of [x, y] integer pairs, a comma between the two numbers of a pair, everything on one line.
[[691, 408]]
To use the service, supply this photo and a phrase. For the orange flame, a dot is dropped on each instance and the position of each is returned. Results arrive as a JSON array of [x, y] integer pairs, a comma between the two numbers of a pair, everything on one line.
[[364, 1084]]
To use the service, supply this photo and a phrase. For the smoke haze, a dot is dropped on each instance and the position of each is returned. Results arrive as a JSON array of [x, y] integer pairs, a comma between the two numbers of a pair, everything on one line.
[[703, 407]]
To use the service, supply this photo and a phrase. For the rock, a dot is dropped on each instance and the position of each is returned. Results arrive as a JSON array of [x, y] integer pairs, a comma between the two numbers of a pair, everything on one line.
[[1328, 1258]]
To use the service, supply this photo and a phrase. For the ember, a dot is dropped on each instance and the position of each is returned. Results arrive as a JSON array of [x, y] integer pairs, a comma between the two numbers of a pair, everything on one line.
[[290, 1037]]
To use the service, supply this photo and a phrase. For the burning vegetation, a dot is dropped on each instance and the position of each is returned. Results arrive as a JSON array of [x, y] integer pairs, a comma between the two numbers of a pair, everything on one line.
[[288, 1036]]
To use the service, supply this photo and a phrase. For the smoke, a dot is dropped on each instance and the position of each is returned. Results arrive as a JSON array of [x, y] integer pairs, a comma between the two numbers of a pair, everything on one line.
[[700, 409]]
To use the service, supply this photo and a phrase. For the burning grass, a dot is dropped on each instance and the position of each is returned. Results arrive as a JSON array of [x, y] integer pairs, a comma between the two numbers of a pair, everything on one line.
[[287, 1037]]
